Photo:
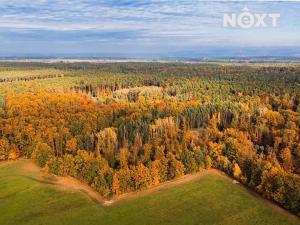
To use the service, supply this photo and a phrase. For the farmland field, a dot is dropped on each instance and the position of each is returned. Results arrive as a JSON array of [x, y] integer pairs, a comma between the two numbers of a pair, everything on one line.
[[124, 129], [25, 200]]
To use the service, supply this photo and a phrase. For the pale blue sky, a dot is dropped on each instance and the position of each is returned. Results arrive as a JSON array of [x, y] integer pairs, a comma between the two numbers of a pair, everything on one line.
[[140, 28]]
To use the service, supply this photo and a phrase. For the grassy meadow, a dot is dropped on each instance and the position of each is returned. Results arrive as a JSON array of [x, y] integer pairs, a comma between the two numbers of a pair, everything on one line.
[[26, 200]]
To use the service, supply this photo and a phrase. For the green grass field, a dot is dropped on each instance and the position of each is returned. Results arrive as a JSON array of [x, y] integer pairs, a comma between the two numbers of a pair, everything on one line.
[[211, 200]]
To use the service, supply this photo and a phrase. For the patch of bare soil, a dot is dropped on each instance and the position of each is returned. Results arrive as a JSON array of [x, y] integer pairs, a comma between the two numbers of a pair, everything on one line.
[[67, 183], [5, 163]]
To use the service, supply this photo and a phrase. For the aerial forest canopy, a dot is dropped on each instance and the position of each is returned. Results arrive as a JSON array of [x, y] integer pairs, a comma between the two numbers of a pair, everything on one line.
[[122, 127]]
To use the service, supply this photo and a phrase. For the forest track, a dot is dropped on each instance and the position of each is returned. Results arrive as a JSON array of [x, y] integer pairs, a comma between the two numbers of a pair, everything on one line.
[[5, 163], [29, 168], [179, 181]]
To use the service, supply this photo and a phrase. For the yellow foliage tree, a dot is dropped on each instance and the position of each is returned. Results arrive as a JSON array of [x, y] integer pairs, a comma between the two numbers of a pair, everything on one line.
[[237, 173], [115, 185]]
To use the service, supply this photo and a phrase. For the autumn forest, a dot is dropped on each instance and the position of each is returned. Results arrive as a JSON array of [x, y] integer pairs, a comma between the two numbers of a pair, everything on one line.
[[125, 127]]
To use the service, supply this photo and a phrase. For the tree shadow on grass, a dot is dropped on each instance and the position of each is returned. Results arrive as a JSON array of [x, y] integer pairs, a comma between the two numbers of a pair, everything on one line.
[[46, 180]]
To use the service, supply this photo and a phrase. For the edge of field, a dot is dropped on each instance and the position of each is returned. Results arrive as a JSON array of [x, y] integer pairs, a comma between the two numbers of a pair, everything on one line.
[[71, 184]]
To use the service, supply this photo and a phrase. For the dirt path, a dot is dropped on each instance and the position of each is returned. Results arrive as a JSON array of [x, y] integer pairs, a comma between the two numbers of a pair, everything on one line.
[[29, 169], [66, 183], [267, 202], [5, 163], [69, 183], [182, 180], [194, 177], [72, 184]]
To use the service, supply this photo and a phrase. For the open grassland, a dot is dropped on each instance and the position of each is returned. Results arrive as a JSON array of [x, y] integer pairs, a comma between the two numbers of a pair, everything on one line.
[[25, 198]]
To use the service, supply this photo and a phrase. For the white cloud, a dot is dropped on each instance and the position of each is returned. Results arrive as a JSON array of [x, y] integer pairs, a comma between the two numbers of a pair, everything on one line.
[[177, 22]]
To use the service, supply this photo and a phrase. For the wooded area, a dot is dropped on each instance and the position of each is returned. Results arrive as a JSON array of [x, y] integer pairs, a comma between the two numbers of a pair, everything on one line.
[[123, 127]]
